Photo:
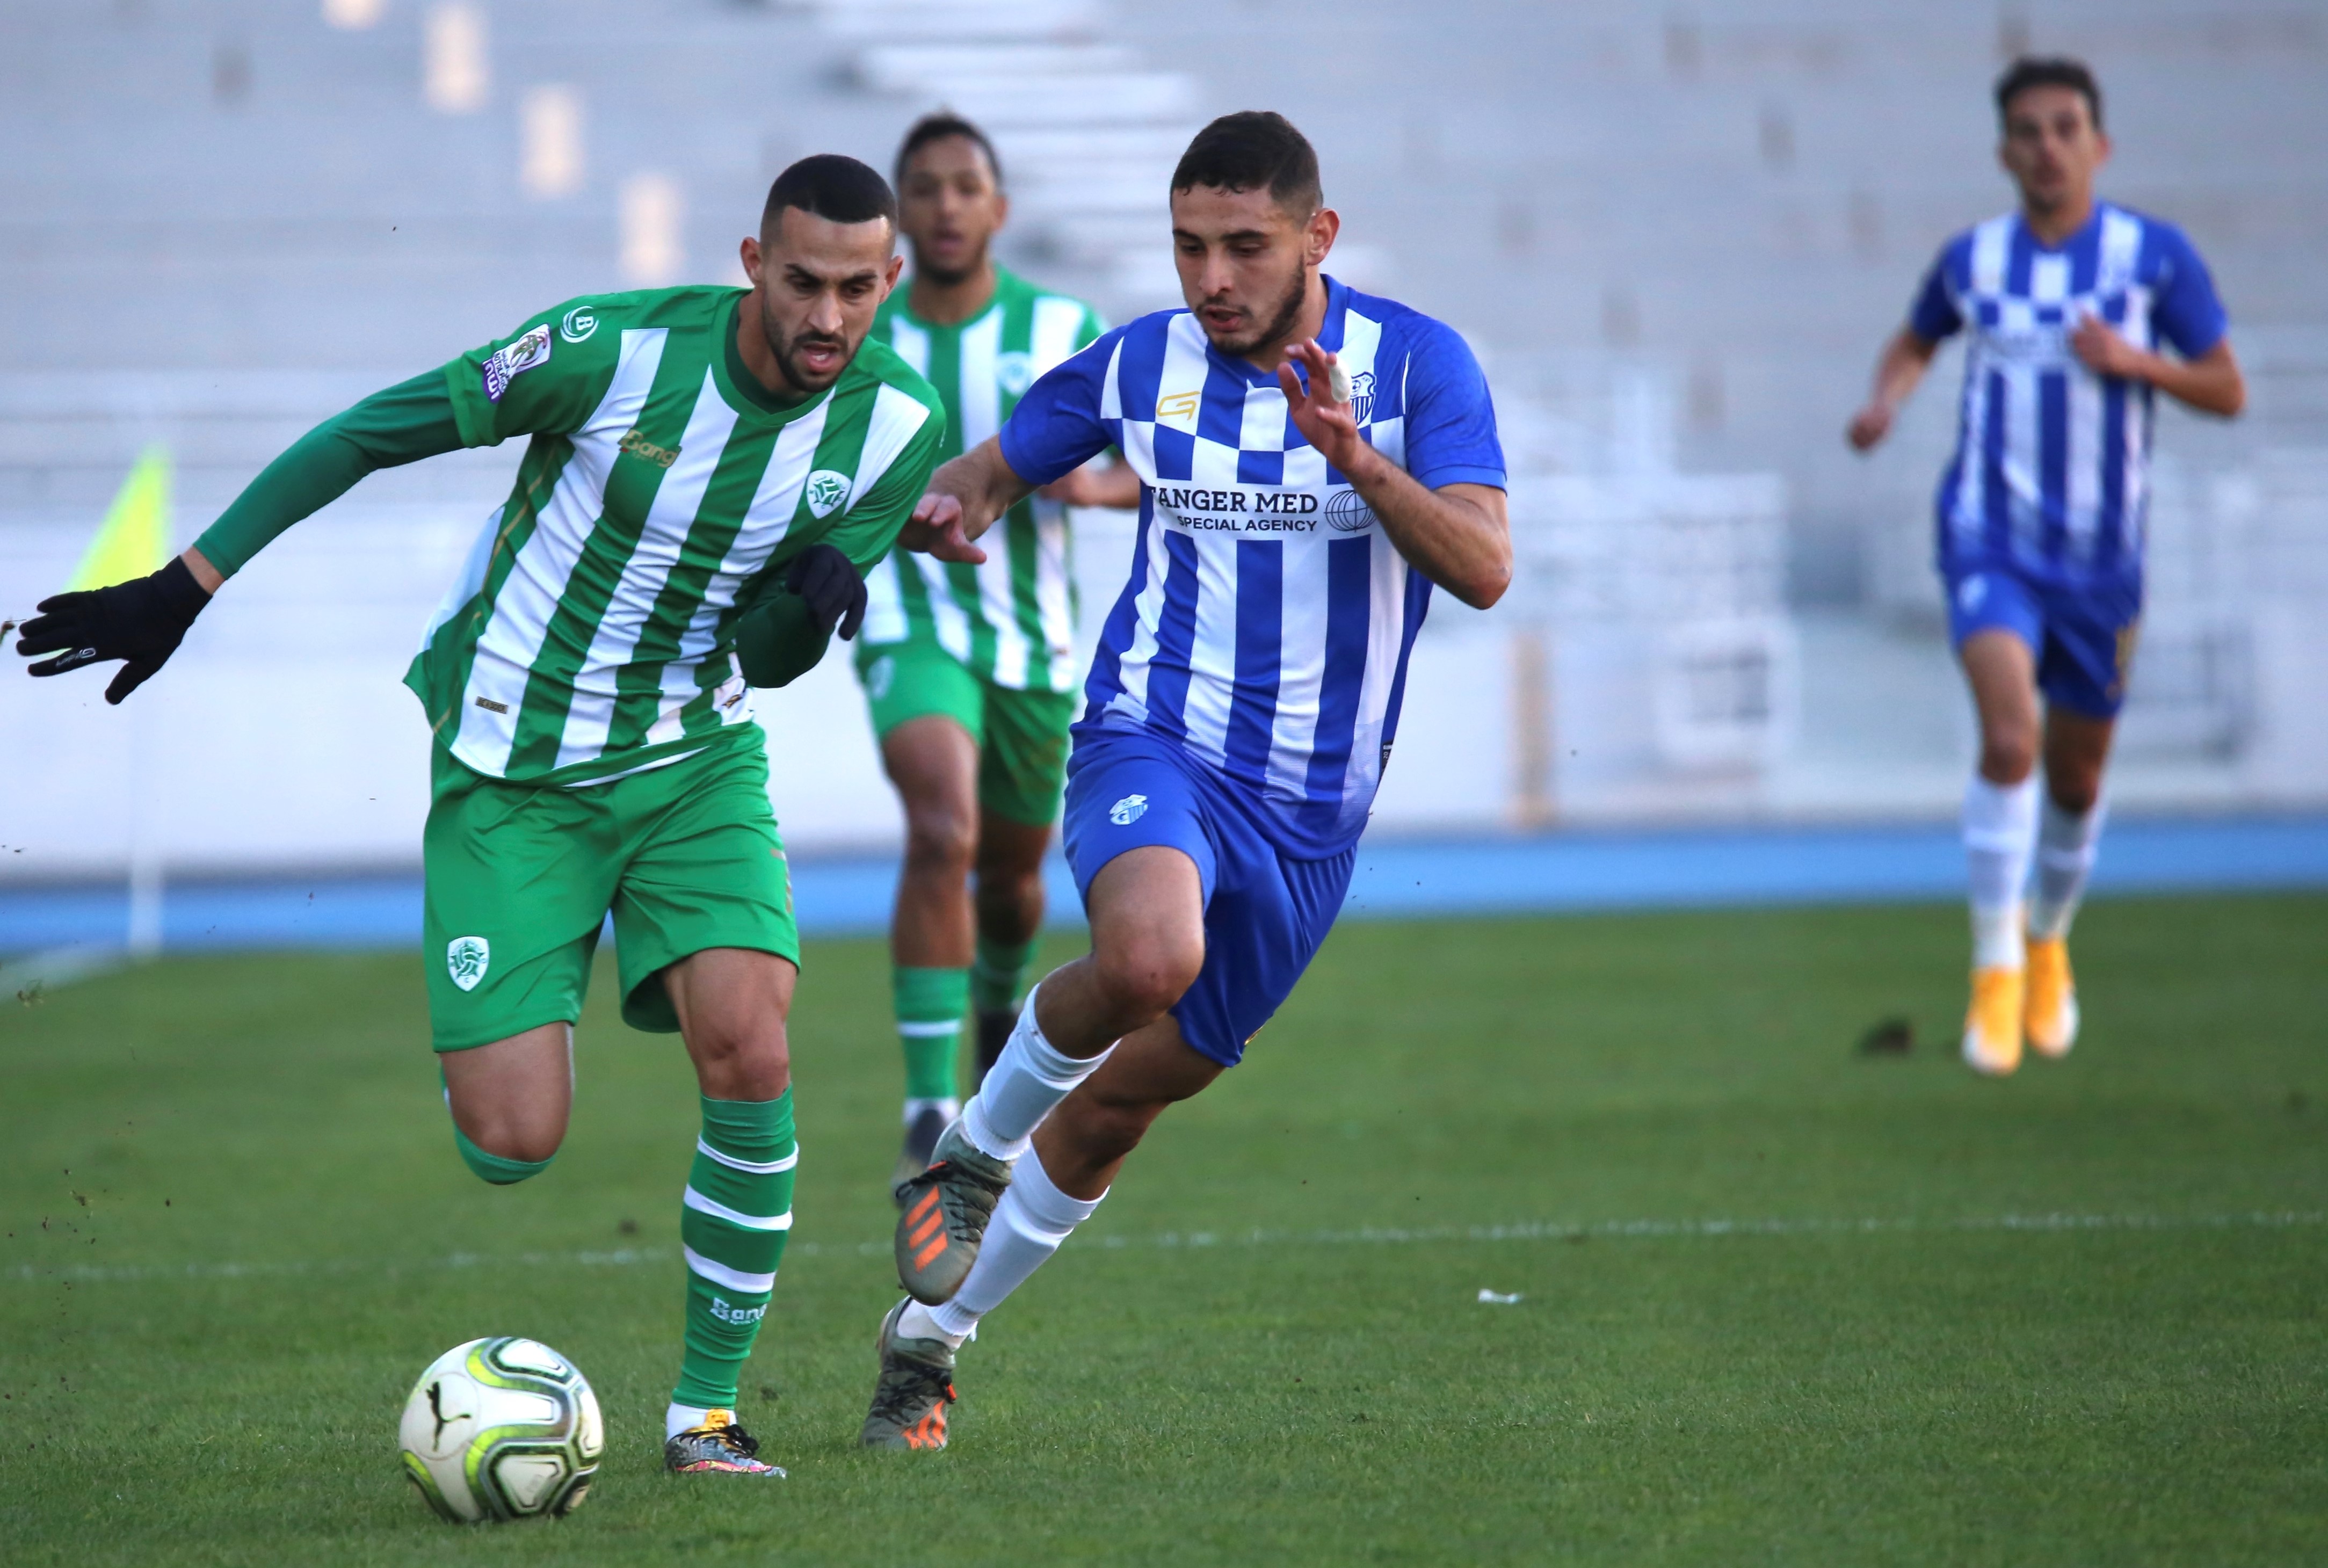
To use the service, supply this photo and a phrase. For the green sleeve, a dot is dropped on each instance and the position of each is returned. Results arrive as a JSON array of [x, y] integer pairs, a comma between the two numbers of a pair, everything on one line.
[[545, 377], [777, 641], [411, 420]]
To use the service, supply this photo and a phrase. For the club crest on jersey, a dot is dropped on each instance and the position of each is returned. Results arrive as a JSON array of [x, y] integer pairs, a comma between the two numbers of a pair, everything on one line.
[[1348, 513], [824, 493], [1362, 397], [579, 324], [1128, 811], [512, 360], [1014, 373], [467, 958]]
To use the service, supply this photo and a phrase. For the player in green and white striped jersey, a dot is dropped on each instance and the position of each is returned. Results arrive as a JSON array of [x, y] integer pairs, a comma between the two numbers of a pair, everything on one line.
[[970, 670], [708, 470]]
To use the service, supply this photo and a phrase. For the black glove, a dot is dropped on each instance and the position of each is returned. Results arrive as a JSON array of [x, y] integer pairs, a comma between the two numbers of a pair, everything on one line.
[[827, 581], [142, 620]]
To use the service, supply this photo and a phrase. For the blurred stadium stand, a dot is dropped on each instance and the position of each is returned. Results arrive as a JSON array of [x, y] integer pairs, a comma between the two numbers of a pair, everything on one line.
[[1676, 236]]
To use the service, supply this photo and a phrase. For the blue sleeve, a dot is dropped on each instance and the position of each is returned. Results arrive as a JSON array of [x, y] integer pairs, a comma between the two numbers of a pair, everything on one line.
[[1450, 420], [1934, 315], [1056, 426], [2189, 315]]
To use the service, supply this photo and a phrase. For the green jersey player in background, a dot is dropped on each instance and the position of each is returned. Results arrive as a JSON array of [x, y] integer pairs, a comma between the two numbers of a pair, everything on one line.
[[708, 470], [970, 669]]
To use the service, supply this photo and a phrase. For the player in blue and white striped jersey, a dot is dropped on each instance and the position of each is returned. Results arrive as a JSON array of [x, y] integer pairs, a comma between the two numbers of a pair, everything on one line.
[[2065, 305], [1312, 460]]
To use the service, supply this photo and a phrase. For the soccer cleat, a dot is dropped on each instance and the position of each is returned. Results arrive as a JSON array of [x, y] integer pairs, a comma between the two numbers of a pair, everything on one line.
[[921, 1142], [911, 1396], [993, 1033], [946, 1210], [718, 1447], [2051, 1017], [1992, 1037]]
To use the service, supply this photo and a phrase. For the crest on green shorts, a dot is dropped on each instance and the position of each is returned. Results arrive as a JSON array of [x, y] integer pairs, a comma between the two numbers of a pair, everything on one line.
[[467, 958], [826, 491]]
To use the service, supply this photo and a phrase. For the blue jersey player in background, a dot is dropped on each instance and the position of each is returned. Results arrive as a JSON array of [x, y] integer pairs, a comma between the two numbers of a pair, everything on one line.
[[1312, 461], [2065, 305]]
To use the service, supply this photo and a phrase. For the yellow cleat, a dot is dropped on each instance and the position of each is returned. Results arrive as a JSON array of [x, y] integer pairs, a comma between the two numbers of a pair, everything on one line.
[[1992, 1037], [2052, 1015]]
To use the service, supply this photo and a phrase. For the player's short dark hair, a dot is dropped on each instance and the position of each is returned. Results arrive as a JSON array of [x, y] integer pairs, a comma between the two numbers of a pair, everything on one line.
[[835, 186], [937, 127], [1253, 150], [2048, 70]]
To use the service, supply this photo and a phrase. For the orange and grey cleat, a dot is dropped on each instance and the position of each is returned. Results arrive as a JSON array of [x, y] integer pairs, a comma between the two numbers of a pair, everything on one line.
[[718, 1447], [946, 1208], [2051, 1015], [911, 1396], [1992, 1037]]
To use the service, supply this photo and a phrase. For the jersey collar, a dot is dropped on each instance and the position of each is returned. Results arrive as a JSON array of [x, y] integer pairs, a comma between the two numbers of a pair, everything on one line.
[[742, 389]]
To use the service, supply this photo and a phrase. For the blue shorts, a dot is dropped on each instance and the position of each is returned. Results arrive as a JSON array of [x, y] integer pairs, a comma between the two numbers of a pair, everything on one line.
[[1265, 912], [2082, 639]]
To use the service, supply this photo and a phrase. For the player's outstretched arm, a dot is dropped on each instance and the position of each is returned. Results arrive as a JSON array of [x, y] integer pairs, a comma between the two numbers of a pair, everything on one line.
[[1459, 536], [964, 498], [142, 622], [1904, 361]]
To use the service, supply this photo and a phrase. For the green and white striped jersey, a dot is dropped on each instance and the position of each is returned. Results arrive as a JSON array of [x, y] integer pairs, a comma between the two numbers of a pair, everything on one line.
[[1012, 620], [662, 492]]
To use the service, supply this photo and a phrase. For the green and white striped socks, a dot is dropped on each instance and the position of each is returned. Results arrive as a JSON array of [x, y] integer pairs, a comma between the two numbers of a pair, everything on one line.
[[738, 1211], [929, 1004]]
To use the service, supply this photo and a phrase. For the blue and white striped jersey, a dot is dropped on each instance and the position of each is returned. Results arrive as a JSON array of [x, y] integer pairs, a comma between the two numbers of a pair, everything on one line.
[[2052, 473], [1267, 621]]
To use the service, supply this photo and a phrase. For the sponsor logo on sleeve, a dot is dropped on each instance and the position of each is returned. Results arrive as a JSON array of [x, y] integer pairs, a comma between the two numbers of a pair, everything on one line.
[[578, 323], [512, 360], [824, 493], [1128, 811], [468, 959]]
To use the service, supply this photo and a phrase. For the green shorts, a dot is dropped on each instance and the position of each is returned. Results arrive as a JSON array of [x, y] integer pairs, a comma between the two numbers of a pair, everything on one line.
[[520, 878], [1021, 736]]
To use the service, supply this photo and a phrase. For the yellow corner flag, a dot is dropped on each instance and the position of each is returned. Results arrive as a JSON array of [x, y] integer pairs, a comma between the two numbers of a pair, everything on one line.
[[134, 537]]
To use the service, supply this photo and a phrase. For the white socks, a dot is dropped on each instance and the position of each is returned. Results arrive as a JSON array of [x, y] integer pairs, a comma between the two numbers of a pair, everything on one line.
[[1028, 1224], [2066, 844], [1026, 1081], [2000, 830], [680, 1418]]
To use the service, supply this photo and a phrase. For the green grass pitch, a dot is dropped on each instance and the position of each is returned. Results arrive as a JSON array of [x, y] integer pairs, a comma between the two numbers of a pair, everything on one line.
[[236, 1229]]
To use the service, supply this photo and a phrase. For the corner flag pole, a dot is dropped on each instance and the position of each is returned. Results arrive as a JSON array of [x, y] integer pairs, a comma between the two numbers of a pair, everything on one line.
[[133, 540]]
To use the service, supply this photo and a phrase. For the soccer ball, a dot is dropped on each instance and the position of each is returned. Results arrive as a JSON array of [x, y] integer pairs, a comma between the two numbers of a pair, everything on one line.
[[502, 1428]]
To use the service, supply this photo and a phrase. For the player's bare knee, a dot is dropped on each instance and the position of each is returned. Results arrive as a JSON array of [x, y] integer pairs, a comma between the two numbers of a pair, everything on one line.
[[937, 839], [2075, 791], [741, 1061], [1009, 904], [1144, 975], [2007, 759]]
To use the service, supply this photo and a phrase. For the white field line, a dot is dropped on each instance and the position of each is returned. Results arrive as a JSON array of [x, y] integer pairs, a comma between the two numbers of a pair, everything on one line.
[[1532, 1231]]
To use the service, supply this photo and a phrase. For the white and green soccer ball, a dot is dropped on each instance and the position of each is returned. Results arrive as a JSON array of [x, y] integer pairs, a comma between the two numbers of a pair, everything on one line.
[[502, 1428]]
